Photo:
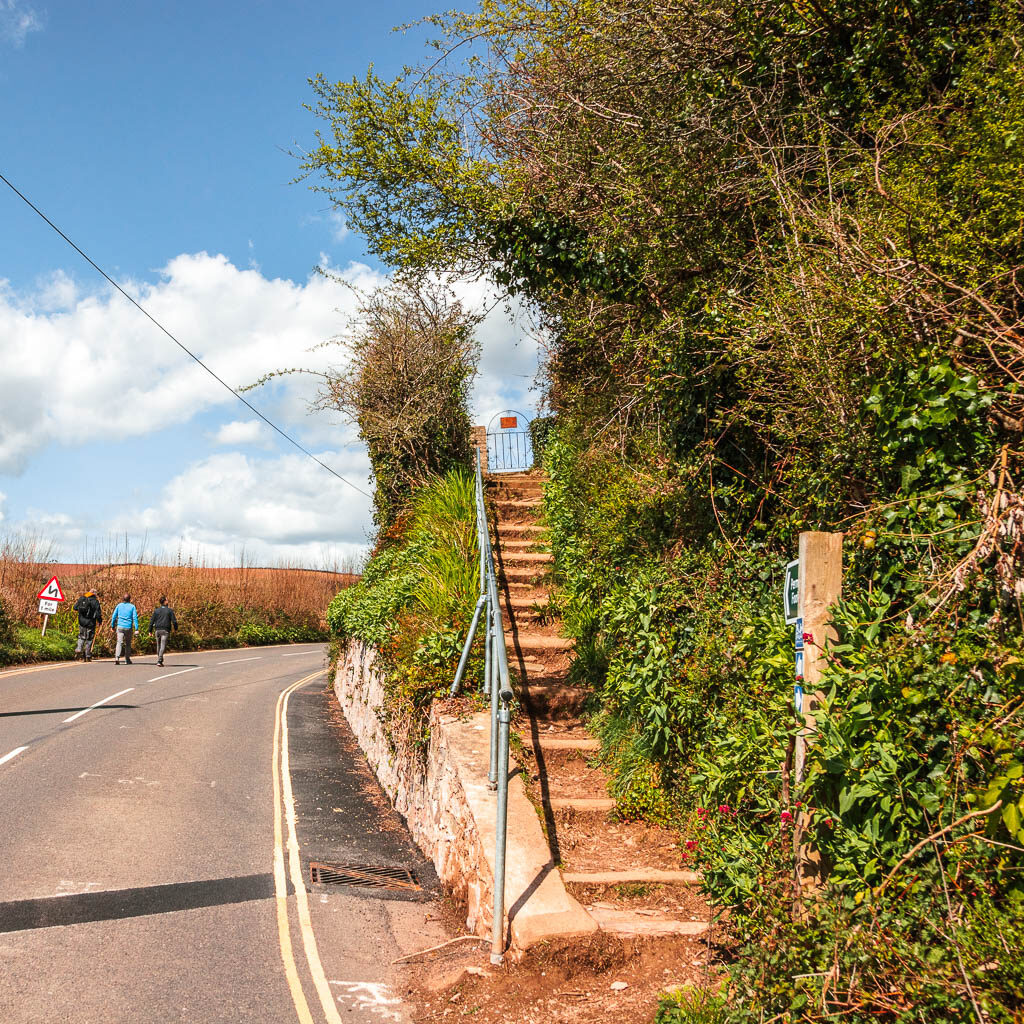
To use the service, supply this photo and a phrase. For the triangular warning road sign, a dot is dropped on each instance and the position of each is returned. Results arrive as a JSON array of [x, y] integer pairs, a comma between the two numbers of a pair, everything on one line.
[[51, 592]]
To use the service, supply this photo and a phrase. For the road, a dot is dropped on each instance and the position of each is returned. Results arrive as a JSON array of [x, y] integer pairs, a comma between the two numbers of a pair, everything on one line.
[[157, 825]]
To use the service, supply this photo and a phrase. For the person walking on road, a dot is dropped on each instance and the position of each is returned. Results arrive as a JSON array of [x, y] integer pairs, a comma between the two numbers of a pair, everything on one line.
[[90, 615], [161, 622], [125, 620]]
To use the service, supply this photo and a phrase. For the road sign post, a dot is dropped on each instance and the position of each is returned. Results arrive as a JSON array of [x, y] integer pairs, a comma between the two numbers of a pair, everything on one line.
[[49, 600], [817, 576]]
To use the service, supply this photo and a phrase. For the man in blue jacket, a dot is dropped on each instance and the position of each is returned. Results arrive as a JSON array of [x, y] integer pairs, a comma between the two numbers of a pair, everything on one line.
[[125, 620]]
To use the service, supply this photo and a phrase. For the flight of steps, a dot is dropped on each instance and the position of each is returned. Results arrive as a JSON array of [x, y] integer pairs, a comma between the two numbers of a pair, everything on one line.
[[629, 875]]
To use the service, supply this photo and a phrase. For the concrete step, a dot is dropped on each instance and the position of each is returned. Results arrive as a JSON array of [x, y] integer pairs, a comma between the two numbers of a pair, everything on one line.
[[636, 923], [633, 875], [582, 805], [521, 544], [562, 742]]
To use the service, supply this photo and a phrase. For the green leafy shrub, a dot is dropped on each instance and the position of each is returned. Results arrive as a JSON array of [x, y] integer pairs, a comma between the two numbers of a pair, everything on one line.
[[691, 1006], [415, 601]]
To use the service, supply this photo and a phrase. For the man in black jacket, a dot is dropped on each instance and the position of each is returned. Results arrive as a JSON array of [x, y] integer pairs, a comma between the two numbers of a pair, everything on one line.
[[161, 622], [89, 615]]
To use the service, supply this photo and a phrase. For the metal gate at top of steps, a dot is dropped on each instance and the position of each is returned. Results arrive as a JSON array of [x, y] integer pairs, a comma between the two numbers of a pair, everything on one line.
[[509, 444]]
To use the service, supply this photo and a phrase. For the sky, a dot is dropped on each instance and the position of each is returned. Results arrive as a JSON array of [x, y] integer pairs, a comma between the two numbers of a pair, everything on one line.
[[158, 138]]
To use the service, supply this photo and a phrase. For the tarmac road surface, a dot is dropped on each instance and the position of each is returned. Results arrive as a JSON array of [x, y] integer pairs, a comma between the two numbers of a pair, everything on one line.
[[156, 828]]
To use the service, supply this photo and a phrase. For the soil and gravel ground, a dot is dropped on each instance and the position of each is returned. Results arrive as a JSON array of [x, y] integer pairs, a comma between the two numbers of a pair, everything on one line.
[[601, 980]]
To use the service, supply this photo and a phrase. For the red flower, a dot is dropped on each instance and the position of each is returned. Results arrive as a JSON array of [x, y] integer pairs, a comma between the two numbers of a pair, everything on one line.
[[786, 818], [808, 638], [701, 812], [724, 809], [691, 844]]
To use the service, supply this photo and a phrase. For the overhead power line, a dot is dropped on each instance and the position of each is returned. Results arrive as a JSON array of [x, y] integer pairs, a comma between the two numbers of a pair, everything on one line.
[[142, 309]]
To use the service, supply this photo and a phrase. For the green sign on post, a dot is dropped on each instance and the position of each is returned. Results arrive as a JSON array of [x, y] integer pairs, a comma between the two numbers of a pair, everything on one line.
[[791, 592]]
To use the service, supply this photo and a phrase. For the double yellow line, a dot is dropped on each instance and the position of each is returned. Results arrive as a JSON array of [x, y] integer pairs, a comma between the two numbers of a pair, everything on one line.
[[283, 798]]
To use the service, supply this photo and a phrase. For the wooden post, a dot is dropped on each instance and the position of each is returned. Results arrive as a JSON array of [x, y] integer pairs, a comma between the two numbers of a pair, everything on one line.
[[821, 585]]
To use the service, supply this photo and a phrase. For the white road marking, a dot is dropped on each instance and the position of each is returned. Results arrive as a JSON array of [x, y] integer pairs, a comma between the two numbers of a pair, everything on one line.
[[13, 753], [371, 996], [298, 654], [235, 661], [99, 703], [195, 668]]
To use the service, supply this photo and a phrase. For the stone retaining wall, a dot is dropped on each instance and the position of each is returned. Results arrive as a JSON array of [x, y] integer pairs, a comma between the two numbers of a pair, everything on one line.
[[430, 796], [451, 813]]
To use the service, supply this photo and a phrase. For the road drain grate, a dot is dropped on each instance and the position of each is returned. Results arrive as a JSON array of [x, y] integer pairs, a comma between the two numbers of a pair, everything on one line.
[[363, 875]]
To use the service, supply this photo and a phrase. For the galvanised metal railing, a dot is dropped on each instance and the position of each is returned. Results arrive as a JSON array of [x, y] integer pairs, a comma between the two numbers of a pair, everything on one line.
[[496, 686]]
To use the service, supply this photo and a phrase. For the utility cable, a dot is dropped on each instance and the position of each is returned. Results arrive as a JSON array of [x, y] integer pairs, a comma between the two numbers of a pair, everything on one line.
[[220, 380]]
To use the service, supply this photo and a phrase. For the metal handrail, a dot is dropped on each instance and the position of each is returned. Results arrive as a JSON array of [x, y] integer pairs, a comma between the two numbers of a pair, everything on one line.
[[496, 686]]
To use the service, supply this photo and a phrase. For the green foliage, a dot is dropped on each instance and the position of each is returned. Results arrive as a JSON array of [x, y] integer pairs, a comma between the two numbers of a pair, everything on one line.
[[8, 637], [396, 162], [32, 646], [691, 1006], [255, 634], [777, 249], [415, 601], [411, 360]]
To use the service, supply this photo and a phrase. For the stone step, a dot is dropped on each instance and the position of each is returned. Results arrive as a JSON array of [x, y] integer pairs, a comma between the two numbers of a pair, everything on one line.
[[496, 480], [523, 574], [516, 487], [517, 502], [582, 805], [528, 557], [634, 923], [528, 604], [520, 544], [555, 700], [539, 642], [633, 875], [519, 528]]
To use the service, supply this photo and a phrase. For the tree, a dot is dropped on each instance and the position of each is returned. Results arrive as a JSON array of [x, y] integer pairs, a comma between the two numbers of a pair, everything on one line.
[[412, 356]]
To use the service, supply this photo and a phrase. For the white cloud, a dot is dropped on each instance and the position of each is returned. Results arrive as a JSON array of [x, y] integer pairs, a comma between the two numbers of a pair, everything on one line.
[[242, 432], [17, 21], [281, 508], [339, 228], [71, 357]]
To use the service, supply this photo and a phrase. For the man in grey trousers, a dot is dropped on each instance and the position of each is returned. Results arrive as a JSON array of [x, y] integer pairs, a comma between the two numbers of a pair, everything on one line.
[[125, 620], [90, 615], [161, 622]]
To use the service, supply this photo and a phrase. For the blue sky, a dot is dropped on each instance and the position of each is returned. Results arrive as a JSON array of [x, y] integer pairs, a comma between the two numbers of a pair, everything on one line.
[[157, 137]]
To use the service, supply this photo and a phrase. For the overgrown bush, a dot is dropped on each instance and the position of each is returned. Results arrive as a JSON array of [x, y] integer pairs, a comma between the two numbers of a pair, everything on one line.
[[777, 252], [415, 601]]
